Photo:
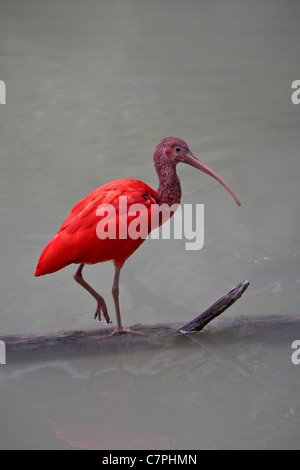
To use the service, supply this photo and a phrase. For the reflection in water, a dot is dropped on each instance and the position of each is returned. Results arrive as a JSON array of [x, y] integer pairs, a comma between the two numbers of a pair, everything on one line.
[[108, 437], [237, 378]]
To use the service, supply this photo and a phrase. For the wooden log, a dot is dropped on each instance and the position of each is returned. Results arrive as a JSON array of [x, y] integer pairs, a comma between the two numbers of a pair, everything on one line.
[[99, 340]]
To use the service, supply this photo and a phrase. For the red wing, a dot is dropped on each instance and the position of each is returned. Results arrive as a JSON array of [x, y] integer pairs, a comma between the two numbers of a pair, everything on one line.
[[77, 240]]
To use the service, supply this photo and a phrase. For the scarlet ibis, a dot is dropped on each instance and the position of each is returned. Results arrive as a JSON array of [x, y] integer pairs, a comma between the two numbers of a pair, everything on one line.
[[77, 240]]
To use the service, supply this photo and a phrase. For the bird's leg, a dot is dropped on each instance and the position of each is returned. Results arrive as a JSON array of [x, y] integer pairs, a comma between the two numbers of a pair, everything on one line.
[[101, 305], [115, 294]]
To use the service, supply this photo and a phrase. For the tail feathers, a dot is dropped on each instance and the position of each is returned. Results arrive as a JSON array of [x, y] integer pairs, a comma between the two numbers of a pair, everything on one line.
[[54, 257]]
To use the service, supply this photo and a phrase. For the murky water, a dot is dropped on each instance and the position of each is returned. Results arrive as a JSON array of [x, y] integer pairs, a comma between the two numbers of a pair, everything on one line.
[[91, 88]]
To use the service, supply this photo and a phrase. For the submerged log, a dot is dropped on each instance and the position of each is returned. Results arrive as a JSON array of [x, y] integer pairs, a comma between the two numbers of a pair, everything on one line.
[[80, 342]]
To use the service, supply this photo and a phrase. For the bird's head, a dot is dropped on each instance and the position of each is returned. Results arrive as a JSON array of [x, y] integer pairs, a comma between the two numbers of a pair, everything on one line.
[[172, 150]]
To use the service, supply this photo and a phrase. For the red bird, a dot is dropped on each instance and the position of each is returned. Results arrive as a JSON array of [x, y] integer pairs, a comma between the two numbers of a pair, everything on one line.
[[78, 240]]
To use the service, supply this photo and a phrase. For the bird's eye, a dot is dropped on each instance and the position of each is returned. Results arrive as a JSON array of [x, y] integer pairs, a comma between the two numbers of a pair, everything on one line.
[[177, 149]]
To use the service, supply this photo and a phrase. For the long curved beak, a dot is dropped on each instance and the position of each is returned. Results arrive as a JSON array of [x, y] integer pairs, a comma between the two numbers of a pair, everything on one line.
[[190, 159]]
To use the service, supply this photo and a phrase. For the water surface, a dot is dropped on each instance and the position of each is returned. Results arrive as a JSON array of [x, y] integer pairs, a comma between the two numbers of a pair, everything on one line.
[[91, 88]]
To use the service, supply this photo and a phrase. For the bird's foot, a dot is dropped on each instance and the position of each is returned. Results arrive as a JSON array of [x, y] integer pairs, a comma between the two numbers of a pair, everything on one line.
[[101, 307], [127, 329]]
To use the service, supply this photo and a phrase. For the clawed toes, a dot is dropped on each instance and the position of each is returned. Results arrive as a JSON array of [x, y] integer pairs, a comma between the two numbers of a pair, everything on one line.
[[97, 317], [127, 329]]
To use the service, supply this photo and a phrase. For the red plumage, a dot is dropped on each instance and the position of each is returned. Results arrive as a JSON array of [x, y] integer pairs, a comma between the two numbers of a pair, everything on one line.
[[77, 241]]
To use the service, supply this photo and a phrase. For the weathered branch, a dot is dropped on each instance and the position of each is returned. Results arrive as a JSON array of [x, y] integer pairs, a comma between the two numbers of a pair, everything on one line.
[[216, 309], [74, 342]]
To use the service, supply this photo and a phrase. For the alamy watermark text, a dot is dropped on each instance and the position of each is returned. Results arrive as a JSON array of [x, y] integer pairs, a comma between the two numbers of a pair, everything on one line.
[[2, 92], [296, 354], [138, 221], [296, 94], [2, 353]]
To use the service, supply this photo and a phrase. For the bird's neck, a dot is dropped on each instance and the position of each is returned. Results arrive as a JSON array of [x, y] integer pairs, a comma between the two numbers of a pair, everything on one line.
[[169, 189]]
